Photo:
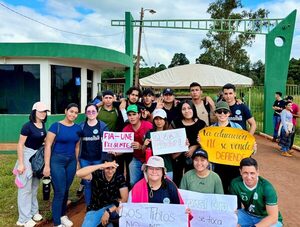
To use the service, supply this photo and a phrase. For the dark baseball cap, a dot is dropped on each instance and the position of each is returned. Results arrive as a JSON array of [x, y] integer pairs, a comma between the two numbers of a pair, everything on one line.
[[200, 152], [108, 92], [168, 91], [289, 97]]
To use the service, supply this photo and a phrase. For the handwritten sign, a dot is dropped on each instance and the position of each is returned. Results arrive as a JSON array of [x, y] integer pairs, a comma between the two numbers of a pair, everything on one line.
[[152, 215], [168, 141], [211, 209], [117, 141], [226, 145]]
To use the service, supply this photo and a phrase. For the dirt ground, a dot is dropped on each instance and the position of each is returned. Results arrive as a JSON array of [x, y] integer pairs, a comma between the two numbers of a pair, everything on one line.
[[282, 172]]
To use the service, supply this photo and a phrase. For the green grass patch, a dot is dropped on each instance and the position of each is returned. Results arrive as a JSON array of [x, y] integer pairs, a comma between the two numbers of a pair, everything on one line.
[[9, 192]]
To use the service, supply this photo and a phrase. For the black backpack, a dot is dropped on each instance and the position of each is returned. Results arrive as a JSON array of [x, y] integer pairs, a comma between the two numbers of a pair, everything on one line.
[[38, 163]]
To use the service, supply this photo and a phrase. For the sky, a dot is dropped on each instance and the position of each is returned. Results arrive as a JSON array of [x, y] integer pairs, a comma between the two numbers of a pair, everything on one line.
[[88, 22]]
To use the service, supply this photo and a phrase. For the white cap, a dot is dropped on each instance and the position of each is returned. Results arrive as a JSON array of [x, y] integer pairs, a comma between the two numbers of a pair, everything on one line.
[[39, 106], [159, 113]]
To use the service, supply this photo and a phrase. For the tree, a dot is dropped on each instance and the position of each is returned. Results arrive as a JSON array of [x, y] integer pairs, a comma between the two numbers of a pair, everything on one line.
[[294, 71], [226, 49], [179, 59]]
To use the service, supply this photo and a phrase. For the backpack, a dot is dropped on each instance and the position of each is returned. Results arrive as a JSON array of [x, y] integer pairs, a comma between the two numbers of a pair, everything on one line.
[[38, 163]]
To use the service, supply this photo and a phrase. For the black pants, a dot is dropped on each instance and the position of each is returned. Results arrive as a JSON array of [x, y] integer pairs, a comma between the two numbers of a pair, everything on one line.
[[181, 165], [227, 174], [123, 162]]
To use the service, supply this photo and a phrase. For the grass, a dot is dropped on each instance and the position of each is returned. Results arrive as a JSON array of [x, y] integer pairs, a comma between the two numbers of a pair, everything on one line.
[[8, 193]]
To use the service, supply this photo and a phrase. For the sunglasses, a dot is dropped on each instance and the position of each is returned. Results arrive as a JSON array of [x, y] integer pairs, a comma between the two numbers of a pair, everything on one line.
[[91, 112], [220, 111]]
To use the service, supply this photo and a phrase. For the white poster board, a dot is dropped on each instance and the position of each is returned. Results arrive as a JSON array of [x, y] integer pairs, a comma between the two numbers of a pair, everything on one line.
[[211, 210], [153, 215], [119, 142], [168, 141]]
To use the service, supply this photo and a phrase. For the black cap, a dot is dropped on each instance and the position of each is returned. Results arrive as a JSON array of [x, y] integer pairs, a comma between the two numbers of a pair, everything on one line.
[[148, 91], [168, 91], [289, 97], [200, 152], [108, 92]]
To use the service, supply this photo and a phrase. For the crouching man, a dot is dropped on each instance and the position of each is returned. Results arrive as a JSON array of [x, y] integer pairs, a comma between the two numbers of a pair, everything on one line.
[[257, 196], [108, 190]]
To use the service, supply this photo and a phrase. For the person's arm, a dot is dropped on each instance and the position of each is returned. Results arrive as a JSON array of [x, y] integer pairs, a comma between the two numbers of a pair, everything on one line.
[[283, 121], [272, 217], [211, 104], [252, 123], [86, 172], [191, 151], [48, 144], [20, 147], [77, 147]]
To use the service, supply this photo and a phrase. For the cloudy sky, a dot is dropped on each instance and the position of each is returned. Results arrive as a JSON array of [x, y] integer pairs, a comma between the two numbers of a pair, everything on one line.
[[91, 19]]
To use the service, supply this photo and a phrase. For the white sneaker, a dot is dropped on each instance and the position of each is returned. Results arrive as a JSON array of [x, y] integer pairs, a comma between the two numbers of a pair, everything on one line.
[[66, 221], [37, 217], [30, 223], [20, 223]]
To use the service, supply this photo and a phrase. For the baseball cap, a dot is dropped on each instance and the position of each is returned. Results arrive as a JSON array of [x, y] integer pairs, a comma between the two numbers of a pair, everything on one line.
[[159, 113], [39, 106], [132, 108], [200, 152], [148, 91], [155, 161], [168, 91], [108, 92], [222, 105]]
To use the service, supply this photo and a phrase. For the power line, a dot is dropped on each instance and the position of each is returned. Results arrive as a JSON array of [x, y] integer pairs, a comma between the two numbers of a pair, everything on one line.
[[57, 29]]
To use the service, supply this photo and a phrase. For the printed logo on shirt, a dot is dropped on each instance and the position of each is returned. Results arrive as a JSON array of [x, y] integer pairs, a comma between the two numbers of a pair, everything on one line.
[[95, 131], [255, 196], [238, 112], [166, 200]]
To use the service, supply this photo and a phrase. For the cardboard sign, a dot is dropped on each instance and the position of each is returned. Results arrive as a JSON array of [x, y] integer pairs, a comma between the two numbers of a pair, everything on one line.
[[226, 145], [168, 141], [152, 215], [117, 142], [211, 209]]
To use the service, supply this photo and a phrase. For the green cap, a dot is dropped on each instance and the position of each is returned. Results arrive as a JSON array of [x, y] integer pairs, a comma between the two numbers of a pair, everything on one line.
[[222, 105], [132, 108]]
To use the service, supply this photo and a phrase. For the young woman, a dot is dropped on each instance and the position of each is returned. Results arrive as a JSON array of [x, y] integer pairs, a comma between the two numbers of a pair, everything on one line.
[[201, 179], [189, 120], [160, 123], [287, 130], [32, 137], [61, 161], [91, 146]]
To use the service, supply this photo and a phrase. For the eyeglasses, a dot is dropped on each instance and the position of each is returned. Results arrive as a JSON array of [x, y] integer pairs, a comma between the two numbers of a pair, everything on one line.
[[91, 112], [220, 111]]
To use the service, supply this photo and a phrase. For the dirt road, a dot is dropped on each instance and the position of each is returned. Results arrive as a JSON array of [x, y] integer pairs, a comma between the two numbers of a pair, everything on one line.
[[282, 172]]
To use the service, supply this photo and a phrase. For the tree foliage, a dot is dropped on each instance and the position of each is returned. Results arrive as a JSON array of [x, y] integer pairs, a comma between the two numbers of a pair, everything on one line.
[[179, 59], [226, 49]]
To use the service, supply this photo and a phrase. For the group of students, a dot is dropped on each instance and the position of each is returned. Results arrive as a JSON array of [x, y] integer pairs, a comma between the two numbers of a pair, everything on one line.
[[108, 177]]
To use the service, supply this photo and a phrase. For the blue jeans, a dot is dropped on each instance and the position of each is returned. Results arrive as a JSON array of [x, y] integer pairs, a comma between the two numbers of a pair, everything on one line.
[[246, 220], [63, 169], [93, 217], [87, 184], [276, 122], [135, 171]]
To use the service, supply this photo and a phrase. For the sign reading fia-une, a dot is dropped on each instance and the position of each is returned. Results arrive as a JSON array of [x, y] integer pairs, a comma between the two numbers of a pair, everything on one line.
[[226, 145]]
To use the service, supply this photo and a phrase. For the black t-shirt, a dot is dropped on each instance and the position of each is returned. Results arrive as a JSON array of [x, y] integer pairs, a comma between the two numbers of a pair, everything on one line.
[[35, 136], [281, 104], [150, 108], [167, 193], [172, 113], [91, 146], [105, 192]]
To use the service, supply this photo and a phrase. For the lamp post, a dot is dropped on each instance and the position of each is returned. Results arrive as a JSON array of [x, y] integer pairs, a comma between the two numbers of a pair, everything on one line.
[[138, 56]]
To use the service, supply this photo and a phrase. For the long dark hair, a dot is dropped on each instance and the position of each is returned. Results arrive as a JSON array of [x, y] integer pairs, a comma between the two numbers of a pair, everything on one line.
[[191, 104], [166, 126], [69, 106], [32, 117]]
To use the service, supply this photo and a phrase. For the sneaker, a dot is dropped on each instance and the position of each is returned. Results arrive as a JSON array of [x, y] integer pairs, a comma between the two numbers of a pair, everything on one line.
[[290, 152], [286, 154], [66, 221], [30, 223], [80, 190], [37, 217]]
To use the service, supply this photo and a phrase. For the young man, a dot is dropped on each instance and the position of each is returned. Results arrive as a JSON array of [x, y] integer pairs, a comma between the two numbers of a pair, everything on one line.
[[240, 113], [169, 104], [296, 114], [278, 106], [139, 128], [203, 106], [108, 190], [148, 105], [257, 195]]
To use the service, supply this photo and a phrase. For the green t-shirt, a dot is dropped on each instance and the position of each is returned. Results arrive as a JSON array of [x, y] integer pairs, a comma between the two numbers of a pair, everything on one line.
[[109, 117], [210, 184], [255, 200]]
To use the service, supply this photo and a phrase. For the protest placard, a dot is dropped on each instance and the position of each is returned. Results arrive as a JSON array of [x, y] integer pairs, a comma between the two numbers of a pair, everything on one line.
[[226, 145], [117, 142], [211, 209], [152, 215], [168, 141]]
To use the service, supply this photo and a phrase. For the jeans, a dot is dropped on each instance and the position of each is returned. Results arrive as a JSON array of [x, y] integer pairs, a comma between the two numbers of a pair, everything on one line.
[[93, 217], [246, 220], [63, 169], [87, 184], [135, 171], [276, 122]]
